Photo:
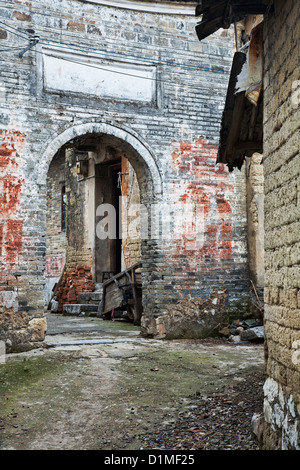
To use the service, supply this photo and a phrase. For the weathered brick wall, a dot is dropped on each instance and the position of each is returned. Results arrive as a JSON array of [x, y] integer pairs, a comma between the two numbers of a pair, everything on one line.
[[131, 222], [77, 226], [282, 223], [204, 199], [215, 197], [255, 219], [67, 246], [21, 291], [11, 184], [56, 241], [170, 124]]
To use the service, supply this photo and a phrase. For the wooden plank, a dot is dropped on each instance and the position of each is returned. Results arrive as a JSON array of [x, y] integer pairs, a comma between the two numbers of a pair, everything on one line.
[[249, 145], [239, 60], [111, 303], [210, 9], [228, 135], [211, 21], [235, 128], [137, 307], [121, 274], [115, 288], [205, 29], [112, 299]]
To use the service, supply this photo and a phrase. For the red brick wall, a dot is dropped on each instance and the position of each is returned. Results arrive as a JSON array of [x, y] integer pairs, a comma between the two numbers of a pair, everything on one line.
[[209, 190], [205, 184], [11, 226], [131, 236]]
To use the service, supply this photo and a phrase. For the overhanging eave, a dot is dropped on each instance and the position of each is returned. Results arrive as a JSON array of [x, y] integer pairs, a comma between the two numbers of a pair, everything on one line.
[[222, 13]]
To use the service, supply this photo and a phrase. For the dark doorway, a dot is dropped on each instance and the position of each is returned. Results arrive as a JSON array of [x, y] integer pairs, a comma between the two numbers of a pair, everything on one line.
[[108, 252], [117, 193]]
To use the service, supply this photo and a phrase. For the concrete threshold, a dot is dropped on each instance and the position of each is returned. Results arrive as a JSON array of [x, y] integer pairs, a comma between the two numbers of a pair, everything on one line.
[[89, 341]]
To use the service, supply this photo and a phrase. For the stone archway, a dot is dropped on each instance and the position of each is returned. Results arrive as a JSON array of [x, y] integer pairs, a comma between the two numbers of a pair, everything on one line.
[[148, 176], [142, 158]]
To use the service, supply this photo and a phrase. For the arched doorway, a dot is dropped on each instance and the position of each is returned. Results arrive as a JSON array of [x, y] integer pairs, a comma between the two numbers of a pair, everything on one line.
[[138, 152], [97, 162]]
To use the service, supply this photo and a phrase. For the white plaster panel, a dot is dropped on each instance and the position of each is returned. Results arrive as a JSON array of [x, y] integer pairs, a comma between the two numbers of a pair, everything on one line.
[[75, 73]]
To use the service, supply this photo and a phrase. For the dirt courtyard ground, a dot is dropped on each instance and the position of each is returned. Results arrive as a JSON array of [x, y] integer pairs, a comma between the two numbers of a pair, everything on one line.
[[99, 385]]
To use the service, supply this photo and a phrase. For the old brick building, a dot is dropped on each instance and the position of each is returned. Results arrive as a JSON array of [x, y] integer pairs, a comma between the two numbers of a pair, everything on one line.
[[107, 98], [275, 73], [93, 91]]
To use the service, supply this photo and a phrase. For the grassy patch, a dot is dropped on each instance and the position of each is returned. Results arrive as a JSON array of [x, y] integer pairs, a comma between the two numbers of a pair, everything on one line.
[[118, 326], [165, 377], [32, 391]]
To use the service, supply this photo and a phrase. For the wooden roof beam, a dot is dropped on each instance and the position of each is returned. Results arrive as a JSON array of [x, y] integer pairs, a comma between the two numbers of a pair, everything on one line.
[[209, 5], [221, 14]]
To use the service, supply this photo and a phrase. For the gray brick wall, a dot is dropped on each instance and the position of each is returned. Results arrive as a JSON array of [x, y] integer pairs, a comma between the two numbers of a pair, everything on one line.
[[175, 134]]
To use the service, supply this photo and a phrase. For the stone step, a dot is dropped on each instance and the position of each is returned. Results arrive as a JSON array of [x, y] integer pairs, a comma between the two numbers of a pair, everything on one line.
[[90, 297], [81, 309]]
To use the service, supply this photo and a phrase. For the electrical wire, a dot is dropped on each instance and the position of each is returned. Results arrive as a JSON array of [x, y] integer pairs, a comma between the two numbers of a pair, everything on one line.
[[190, 41], [109, 70], [152, 62], [146, 61], [115, 71], [135, 57], [15, 31], [9, 49]]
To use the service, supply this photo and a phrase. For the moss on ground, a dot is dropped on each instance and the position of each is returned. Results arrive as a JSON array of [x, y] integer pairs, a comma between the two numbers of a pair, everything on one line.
[[166, 376], [118, 326], [110, 397], [31, 395]]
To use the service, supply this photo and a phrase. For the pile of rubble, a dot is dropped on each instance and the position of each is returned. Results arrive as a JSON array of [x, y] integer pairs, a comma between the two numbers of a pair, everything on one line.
[[74, 283], [193, 317], [243, 330]]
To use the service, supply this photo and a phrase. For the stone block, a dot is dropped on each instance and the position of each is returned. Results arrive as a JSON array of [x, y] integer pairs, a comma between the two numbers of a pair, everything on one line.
[[253, 334], [72, 309], [39, 328]]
